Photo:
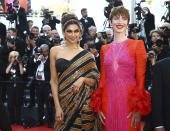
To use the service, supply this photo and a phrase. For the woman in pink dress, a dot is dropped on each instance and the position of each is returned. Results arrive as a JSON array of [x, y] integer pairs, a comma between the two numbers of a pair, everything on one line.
[[121, 99]]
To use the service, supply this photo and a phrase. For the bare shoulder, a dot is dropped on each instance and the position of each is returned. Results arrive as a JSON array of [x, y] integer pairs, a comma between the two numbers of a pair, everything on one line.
[[56, 49]]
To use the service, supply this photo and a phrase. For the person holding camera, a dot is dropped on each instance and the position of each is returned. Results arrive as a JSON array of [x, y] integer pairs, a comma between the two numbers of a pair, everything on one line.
[[55, 38], [162, 49], [151, 61], [155, 35], [91, 46], [33, 41], [14, 42], [112, 4], [15, 89], [42, 86], [149, 21], [109, 36], [49, 19]]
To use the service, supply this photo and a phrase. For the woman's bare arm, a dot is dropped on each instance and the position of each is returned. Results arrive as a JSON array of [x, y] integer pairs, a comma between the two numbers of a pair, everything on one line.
[[54, 77]]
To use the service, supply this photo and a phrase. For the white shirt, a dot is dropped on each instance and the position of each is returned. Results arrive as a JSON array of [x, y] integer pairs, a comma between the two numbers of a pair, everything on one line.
[[40, 70]]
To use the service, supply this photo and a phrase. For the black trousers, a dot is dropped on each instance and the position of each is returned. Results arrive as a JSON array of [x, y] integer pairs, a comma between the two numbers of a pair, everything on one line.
[[42, 93], [4, 119], [15, 100]]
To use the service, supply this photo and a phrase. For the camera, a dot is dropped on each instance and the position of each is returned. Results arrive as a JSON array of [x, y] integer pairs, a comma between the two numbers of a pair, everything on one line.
[[112, 4], [11, 40], [29, 35], [159, 43], [56, 40], [17, 58], [133, 28], [47, 14], [38, 51], [11, 13], [104, 35], [166, 31], [138, 10], [151, 55], [91, 46]]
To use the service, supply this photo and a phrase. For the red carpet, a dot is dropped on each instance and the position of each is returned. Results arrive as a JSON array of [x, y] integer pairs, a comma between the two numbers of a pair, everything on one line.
[[41, 128]]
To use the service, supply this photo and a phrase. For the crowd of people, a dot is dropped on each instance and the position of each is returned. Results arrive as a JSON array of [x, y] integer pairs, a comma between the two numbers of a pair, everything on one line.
[[91, 80]]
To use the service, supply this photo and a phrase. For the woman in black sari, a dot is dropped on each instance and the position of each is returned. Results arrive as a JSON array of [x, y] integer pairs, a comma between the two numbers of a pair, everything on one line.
[[74, 76]]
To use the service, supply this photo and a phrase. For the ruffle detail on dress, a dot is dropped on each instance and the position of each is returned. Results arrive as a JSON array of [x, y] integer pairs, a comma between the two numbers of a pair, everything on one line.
[[139, 101], [96, 101]]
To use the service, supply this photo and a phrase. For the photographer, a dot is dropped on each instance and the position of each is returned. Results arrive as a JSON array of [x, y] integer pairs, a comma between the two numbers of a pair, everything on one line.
[[91, 46], [49, 19], [165, 28], [109, 36], [112, 4], [163, 50], [21, 19], [149, 21], [55, 38], [99, 41], [155, 35], [42, 86], [151, 61], [15, 89], [33, 41], [46, 33], [14, 42]]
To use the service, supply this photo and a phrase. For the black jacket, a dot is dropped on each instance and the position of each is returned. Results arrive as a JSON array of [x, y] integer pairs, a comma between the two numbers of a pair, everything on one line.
[[2, 32], [149, 24], [161, 94], [46, 69], [86, 25], [21, 22]]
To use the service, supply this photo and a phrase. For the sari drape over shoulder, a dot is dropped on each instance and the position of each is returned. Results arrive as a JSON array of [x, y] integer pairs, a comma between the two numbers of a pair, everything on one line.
[[77, 113]]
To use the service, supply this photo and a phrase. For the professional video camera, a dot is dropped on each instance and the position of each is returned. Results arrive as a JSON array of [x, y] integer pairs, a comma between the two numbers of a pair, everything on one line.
[[11, 40], [47, 14], [138, 10], [112, 3], [49, 19], [107, 9], [11, 13]]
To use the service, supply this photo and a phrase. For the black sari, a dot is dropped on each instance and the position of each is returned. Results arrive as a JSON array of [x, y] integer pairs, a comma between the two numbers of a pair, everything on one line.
[[77, 113]]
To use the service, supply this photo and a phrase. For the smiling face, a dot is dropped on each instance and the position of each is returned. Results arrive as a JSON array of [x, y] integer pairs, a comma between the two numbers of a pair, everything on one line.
[[72, 33], [119, 24]]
